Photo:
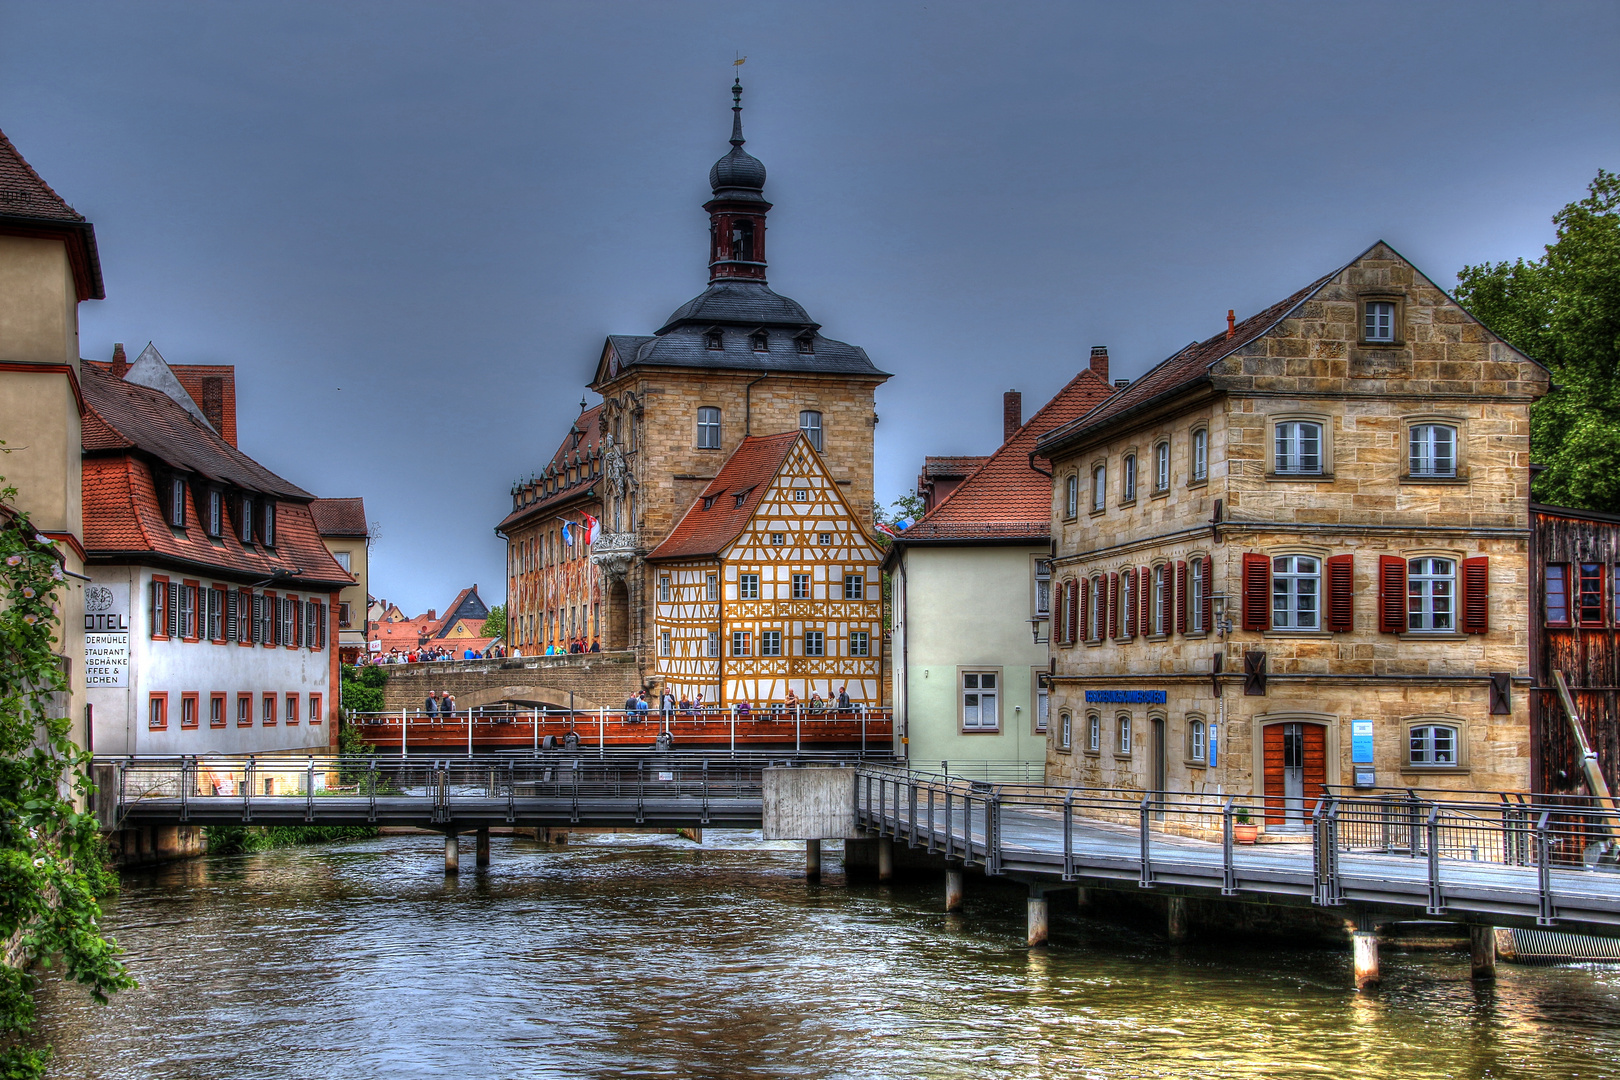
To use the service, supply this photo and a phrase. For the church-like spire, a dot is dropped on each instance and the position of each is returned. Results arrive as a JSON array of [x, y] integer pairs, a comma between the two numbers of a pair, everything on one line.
[[736, 113], [737, 210]]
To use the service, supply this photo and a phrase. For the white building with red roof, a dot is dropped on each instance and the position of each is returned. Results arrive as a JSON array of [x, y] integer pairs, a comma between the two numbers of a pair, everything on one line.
[[971, 597], [211, 617]]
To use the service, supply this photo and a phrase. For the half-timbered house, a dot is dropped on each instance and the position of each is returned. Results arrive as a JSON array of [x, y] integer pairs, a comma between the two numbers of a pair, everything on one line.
[[769, 584]]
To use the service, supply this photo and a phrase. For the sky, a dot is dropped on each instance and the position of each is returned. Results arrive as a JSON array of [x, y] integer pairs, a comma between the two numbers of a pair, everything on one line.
[[410, 226]]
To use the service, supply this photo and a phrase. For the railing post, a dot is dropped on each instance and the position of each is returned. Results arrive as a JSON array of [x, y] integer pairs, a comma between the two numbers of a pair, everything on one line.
[[911, 799], [992, 835], [247, 790], [371, 777], [950, 831], [1546, 914], [1325, 854], [534, 716], [309, 791], [967, 829], [511, 791], [1437, 902], [1068, 836], [863, 732], [931, 832], [733, 732], [1228, 868], [469, 733], [404, 729], [705, 791], [1146, 812], [601, 732], [798, 737], [573, 815], [185, 791]]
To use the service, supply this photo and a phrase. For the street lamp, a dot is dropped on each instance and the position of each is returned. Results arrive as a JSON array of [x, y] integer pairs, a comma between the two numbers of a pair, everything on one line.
[[1223, 621]]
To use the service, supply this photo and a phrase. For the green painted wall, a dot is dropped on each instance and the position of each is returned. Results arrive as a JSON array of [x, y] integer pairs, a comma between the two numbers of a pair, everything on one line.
[[967, 607]]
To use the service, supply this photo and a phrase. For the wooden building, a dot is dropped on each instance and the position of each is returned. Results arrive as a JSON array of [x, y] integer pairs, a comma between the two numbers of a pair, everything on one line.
[[1575, 628], [769, 584]]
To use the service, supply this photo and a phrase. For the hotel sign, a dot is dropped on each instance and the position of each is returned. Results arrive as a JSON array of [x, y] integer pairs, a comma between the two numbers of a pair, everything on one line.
[[1126, 697], [106, 635]]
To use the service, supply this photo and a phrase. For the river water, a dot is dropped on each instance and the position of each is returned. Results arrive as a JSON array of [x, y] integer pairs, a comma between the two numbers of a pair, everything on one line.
[[656, 957]]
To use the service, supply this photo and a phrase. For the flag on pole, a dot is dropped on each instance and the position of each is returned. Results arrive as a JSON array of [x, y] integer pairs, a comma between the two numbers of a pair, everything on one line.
[[567, 535], [592, 528]]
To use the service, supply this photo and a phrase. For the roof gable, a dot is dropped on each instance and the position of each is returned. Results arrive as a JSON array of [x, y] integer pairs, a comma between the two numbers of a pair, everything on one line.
[[30, 207], [725, 506], [802, 499], [340, 517]]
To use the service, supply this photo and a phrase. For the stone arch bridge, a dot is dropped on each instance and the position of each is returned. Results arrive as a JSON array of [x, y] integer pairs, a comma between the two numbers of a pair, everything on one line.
[[580, 681]]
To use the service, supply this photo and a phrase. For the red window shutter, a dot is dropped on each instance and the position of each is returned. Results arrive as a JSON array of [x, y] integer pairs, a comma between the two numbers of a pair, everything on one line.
[[1181, 597], [1256, 592], [1113, 605], [1130, 586], [1078, 611], [1341, 585], [1208, 615], [1144, 598], [1391, 594], [1476, 618]]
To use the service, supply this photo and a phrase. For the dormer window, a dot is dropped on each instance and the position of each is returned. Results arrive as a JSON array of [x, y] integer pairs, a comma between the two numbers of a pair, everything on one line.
[[805, 344], [246, 519], [742, 496], [216, 511], [759, 341], [268, 531], [177, 502], [708, 501], [713, 339]]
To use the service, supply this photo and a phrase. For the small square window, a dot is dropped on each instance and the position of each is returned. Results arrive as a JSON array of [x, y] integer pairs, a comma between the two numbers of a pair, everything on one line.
[[823, 538], [1378, 322], [778, 539], [801, 495]]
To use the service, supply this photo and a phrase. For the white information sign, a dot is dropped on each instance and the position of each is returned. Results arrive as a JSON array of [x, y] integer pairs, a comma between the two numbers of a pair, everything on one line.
[[106, 635]]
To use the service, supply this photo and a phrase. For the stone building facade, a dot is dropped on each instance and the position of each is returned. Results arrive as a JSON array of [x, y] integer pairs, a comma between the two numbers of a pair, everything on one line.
[[738, 360], [1296, 555]]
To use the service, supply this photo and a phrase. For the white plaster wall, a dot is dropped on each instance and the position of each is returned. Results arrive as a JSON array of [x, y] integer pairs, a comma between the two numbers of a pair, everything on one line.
[[204, 668]]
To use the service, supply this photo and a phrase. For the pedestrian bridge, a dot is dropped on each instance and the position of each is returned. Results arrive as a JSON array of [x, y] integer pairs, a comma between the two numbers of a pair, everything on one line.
[[1488, 859]]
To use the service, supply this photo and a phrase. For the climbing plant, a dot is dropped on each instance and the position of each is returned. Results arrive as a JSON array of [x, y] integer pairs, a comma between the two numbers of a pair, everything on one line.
[[51, 870]]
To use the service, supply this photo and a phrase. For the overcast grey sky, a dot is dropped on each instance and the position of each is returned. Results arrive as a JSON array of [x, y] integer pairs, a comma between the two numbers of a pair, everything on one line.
[[443, 209]]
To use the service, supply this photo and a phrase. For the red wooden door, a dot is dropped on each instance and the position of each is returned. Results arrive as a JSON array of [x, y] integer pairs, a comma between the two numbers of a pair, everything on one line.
[[1295, 767]]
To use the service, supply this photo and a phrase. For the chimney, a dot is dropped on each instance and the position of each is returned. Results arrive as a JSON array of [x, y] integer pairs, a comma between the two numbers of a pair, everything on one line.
[[120, 364], [1231, 324], [1099, 361], [1012, 414]]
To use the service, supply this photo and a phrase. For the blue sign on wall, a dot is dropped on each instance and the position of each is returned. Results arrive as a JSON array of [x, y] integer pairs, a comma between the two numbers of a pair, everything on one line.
[[1361, 742], [1126, 697]]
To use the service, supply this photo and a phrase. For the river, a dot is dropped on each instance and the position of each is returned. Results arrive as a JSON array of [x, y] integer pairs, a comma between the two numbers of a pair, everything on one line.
[[638, 956]]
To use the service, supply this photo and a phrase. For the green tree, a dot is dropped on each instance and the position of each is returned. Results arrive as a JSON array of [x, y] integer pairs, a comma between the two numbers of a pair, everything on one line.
[[495, 623], [1563, 309], [51, 870]]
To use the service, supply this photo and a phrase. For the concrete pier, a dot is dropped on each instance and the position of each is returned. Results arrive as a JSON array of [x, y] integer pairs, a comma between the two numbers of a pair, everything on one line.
[[953, 889], [1037, 919], [482, 856], [1364, 947], [1175, 920], [812, 860], [452, 854], [1482, 951], [885, 859]]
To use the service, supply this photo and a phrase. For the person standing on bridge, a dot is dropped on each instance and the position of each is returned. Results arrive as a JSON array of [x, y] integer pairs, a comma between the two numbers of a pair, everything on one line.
[[844, 704], [447, 707], [630, 714], [667, 705], [432, 707]]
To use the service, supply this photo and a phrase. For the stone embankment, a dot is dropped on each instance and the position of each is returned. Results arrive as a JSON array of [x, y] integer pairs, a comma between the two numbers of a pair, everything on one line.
[[582, 680]]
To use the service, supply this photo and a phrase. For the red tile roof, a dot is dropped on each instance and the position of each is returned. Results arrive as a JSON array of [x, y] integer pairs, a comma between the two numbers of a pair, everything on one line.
[[953, 465], [340, 517], [747, 472], [583, 440], [198, 379], [1007, 498], [1187, 366], [29, 206]]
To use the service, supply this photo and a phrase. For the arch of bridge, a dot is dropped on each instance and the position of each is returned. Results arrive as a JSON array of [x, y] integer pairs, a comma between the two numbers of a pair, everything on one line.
[[526, 696]]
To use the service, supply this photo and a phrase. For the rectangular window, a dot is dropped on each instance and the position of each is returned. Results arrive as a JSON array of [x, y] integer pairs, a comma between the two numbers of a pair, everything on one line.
[[244, 710], [801, 495], [188, 710], [216, 710], [748, 587], [810, 424], [1432, 744], [859, 643], [1161, 467], [314, 708], [216, 614], [1094, 733], [1161, 600], [268, 527], [1195, 740], [177, 502], [854, 587], [345, 615], [778, 539], [1099, 488], [1200, 455], [1065, 731], [1378, 323], [980, 694], [663, 643], [157, 712], [1127, 478], [245, 504], [1124, 734], [823, 538], [714, 643], [815, 643], [267, 710], [1299, 448], [770, 643], [708, 428], [1071, 496], [188, 612], [1043, 587], [1432, 450], [157, 608], [292, 708], [1430, 595], [1589, 597], [742, 643], [663, 588], [1043, 700], [216, 511], [1195, 602], [1296, 593], [801, 586], [713, 591], [289, 621]]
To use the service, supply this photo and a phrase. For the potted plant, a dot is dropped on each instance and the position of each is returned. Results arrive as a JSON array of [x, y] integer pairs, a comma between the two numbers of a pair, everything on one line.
[[1244, 831]]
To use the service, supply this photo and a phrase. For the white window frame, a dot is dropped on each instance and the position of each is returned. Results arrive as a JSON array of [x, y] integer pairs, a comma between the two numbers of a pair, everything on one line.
[[1424, 749], [714, 643], [1196, 574], [216, 512], [1071, 496], [1423, 457], [708, 427], [177, 502], [664, 642], [770, 643], [663, 588], [1094, 733], [1378, 321], [1195, 740], [1161, 467], [1065, 730], [1127, 478], [1431, 595], [1291, 440], [854, 586], [748, 586], [971, 684], [810, 424], [712, 591], [1043, 708], [1296, 592], [1043, 587], [798, 582], [815, 643], [1098, 616], [1159, 601], [1200, 455], [1122, 723], [860, 643], [1099, 487]]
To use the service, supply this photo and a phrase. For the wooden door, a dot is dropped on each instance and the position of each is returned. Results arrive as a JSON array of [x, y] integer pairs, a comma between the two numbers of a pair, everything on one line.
[[1295, 751]]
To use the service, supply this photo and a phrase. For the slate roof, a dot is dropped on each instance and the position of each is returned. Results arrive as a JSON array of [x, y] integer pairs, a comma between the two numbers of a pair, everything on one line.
[[587, 427], [750, 469], [195, 379], [1183, 368], [953, 464], [1006, 498], [340, 517], [26, 200], [123, 416]]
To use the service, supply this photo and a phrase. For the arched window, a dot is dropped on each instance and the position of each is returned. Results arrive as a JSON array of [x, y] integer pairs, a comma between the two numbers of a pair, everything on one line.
[[1124, 722], [1094, 733], [1127, 479], [810, 424], [708, 428], [1161, 467], [1071, 496], [1099, 487], [1432, 744], [1127, 603], [1195, 740], [1099, 608], [1198, 588], [1160, 601], [1065, 731]]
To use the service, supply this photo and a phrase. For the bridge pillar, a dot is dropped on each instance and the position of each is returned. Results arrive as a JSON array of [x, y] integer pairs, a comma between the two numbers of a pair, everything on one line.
[[1364, 952], [1482, 951], [1037, 918], [885, 848], [812, 860], [452, 854], [1176, 919], [1082, 900], [953, 888], [482, 856]]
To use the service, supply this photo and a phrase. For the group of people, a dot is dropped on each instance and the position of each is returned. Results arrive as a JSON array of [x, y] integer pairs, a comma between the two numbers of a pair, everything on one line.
[[430, 654], [638, 704], [440, 703], [578, 645]]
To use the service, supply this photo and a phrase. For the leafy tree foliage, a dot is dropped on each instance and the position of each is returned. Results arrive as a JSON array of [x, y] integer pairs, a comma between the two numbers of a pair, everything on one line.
[[495, 622], [51, 870], [1564, 310]]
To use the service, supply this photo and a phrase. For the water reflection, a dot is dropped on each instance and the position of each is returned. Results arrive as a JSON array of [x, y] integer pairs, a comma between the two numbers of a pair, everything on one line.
[[636, 956]]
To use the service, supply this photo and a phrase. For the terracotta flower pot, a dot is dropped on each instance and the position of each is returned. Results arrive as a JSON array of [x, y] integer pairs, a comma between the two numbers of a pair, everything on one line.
[[1245, 834]]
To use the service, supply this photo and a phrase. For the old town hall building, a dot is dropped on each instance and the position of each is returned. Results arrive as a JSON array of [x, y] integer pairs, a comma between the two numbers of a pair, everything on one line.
[[738, 362]]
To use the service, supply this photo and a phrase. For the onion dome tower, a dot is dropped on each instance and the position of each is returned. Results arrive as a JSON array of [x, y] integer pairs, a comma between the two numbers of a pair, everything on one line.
[[737, 211]]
